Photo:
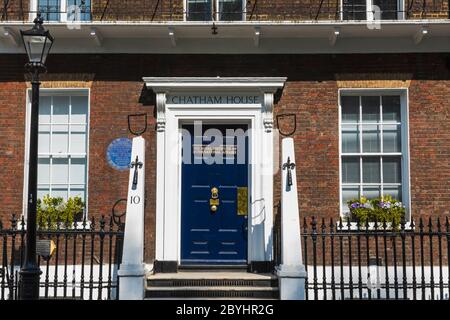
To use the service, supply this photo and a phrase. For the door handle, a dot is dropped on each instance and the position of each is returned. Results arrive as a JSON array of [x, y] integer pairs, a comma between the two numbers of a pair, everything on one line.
[[214, 201], [242, 201]]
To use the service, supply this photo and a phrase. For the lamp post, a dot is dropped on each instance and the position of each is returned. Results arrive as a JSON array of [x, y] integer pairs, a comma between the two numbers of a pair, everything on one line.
[[37, 42]]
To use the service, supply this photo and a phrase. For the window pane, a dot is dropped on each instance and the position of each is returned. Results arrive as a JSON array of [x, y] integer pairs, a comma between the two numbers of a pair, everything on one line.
[[78, 142], [78, 10], [354, 9], [392, 171], [50, 9], [371, 192], [60, 191], [79, 109], [349, 193], [391, 109], [60, 142], [60, 109], [350, 138], [77, 193], [43, 191], [44, 109], [350, 170], [350, 109], [388, 9], [394, 191], [60, 170], [44, 142], [371, 170], [78, 171], [44, 171], [391, 138], [370, 109], [199, 10], [371, 138], [230, 10]]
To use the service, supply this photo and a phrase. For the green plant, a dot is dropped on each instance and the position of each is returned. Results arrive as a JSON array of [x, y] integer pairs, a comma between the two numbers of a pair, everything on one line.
[[382, 209], [51, 210], [360, 210]]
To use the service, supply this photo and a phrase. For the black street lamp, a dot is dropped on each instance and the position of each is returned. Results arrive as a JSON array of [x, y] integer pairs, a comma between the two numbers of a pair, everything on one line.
[[37, 42]]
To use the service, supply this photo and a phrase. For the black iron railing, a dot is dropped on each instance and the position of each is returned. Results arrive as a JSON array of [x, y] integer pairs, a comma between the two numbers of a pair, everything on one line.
[[84, 264], [254, 10], [376, 261]]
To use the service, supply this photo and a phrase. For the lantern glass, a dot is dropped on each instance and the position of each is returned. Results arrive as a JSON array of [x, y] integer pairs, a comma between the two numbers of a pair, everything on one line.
[[37, 42]]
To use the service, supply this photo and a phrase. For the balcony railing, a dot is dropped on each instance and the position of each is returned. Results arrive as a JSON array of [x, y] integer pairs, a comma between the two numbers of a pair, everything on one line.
[[254, 10]]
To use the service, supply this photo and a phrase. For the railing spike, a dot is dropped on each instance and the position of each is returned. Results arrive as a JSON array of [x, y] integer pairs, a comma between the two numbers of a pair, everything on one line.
[[111, 223], [22, 222], [438, 223], [430, 224], [313, 223], [13, 221], [84, 221], [402, 223], [102, 223], [420, 224], [412, 223], [58, 223]]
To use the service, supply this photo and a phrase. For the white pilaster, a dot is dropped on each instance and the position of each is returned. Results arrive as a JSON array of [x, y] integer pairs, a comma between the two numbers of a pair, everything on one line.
[[132, 270], [160, 172], [267, 172], [291, 272]]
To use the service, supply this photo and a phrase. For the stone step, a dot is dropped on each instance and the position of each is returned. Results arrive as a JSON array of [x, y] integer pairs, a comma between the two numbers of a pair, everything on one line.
[[212, 285], [212, 292]]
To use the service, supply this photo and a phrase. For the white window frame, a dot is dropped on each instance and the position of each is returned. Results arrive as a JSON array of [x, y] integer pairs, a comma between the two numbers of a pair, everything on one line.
[[405, 150], [400, 14], [62, 16], [62, 6], [54, 92], [215, 10]]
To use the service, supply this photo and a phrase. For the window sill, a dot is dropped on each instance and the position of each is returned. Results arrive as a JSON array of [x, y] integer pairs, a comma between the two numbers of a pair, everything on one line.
[[79, 226], [371, 227]]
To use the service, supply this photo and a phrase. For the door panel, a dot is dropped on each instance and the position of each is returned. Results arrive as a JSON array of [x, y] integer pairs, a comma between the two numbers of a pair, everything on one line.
[[207, 236]]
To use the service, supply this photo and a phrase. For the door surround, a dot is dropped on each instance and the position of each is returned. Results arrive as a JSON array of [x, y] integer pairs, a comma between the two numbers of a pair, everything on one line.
[[170, 116]]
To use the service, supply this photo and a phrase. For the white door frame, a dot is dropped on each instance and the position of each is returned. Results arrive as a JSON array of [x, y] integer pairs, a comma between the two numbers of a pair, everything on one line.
[[168, 175]]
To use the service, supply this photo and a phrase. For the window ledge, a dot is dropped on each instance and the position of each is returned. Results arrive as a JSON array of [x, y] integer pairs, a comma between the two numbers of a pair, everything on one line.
[[61, 228], [371, 227]]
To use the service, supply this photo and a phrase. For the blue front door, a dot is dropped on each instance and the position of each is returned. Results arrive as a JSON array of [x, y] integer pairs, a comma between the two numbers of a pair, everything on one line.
[[215, 194]]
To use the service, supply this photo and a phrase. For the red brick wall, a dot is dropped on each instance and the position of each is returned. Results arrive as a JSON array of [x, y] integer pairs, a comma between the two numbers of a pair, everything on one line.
[[274, 10], [311, 93]]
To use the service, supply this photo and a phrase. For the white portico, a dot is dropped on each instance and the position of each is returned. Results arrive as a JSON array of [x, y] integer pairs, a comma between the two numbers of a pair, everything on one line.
[[214, 100]]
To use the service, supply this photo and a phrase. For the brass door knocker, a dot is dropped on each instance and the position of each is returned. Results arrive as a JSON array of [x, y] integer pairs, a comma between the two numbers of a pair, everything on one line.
[[214, 201]]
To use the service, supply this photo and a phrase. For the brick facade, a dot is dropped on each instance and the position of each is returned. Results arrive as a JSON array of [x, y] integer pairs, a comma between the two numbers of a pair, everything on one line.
[[311, 92], [265, 10]]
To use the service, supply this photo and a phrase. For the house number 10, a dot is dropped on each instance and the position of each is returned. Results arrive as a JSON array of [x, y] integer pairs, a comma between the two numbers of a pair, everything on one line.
[[135, 199]]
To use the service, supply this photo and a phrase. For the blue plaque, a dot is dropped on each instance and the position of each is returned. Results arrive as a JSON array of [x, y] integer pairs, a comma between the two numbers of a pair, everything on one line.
[[119, 153]]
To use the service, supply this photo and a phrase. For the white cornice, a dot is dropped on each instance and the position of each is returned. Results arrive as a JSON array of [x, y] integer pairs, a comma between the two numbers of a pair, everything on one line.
[[246, 37], [174, 84]]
